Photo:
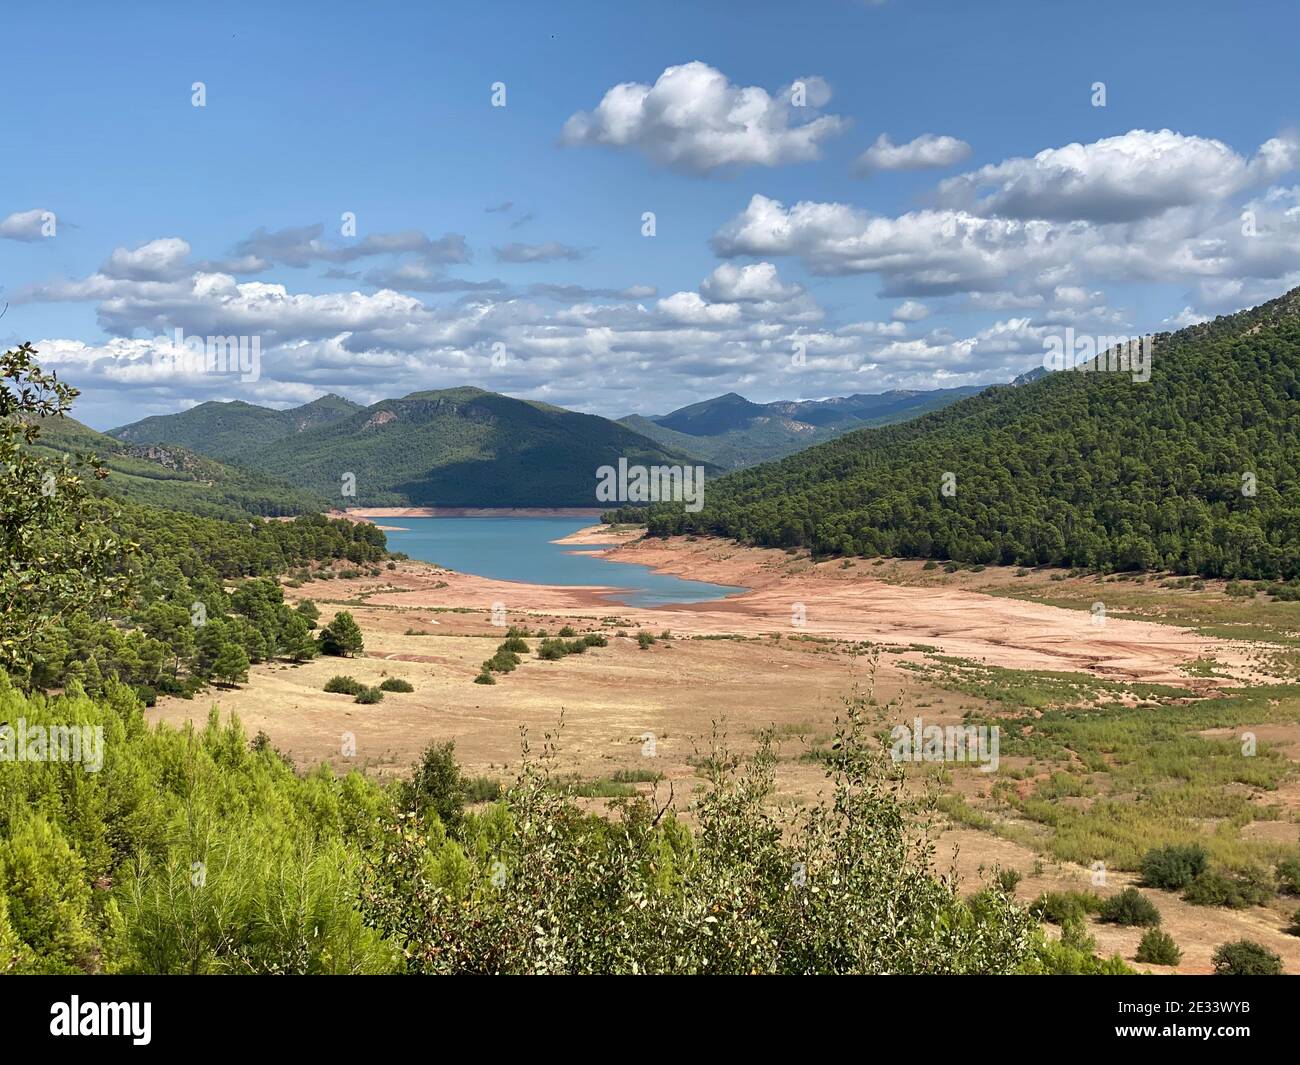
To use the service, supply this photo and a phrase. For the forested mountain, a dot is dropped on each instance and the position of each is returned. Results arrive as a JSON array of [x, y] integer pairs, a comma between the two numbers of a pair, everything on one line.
[[176, 477], [228, 430], [731, 432], [1196, 470], [459, 447]]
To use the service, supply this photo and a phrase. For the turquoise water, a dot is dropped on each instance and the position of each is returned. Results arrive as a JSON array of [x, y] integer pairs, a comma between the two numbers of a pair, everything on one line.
[[520, 549]]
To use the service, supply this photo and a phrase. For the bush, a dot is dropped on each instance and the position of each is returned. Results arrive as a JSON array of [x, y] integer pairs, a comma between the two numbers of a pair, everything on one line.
[[485, 678], [1295, 924], [1215, 887], [1244, 958], [1173, 868], [341, 685], [396, 684], [1060, 907], [568, 630], [369, 695], [645, 639], [1288, 876], [1008, 879], [1158, 948], [1130, 907], [341, 636]]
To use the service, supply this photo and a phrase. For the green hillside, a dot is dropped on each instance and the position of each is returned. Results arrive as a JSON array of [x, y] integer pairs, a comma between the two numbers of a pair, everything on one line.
[[1084, 469], [175, 477], [228, 430], [459, 447]]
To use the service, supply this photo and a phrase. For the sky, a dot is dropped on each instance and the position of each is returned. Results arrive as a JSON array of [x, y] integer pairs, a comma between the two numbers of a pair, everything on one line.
[[627, 208]]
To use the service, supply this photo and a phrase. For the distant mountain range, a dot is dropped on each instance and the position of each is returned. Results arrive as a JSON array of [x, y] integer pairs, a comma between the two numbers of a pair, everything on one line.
[[469, 447], [731, 432]]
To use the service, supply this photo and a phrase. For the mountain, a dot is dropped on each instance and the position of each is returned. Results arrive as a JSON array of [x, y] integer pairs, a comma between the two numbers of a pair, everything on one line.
[[229, 430], [175, 477], [454, 447], [1196, 470], [732, 432]]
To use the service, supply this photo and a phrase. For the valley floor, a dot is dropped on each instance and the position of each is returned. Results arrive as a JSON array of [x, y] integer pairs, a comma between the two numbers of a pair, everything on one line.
[[787, 653]]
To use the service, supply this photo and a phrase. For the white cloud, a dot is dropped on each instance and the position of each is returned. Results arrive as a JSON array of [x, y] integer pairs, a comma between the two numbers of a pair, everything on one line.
[[1118, 179], [758, 281], [926, 152], [549, 252], [165, 259], [694, 119], [25, 225], [910, 311]]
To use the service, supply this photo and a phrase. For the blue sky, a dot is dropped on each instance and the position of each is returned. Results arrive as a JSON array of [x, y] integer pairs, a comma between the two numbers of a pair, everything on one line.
[[769, 230]]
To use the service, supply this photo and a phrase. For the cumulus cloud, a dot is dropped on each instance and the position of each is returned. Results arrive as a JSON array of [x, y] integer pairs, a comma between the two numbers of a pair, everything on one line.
[[910, 311], [693, 119], [165, 259], [1118, 179], [759, 281], [928, 151], [25, 225]]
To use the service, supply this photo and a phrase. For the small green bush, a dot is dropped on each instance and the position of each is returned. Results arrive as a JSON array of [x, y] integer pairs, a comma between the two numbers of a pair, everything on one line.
[[369, 695], [1060, 907], [340, 685], [1244, 958], [1174, 868], [1130, 907], [568, 630], [1288, 876], [485, 678], [396, 684], [645, 639], [1216, 887], [1158, 948]]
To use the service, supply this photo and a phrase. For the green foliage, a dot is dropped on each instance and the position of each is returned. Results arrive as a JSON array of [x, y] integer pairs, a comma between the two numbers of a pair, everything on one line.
[[1063, 907], [1236, 891], [56, 556], [186, 852], [547, 888], [485, 678], [1158, 948], [1288, 876], [436, 786], [342, 685], [1246, 958], [369, 696], [644, 639], [396, 684], [342, 636], [1130, 907], [1174, 868], [1073, 469]]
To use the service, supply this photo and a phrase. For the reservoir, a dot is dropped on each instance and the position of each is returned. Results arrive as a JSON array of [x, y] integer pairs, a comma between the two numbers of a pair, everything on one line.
[[520, 549]]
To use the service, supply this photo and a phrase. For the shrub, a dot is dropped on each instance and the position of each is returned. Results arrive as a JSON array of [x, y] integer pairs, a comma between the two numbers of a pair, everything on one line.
[[1295, 924], [1008, 879], [595, 639], [1158, 948], [1130, 907], [436, 785], [568, 630], [1288, 876], [645, 639], [1173, 868], [1216, 887], [1059, 907], [396, 684], [369, 695], [1244, 958], [485, 678], [341, 685]]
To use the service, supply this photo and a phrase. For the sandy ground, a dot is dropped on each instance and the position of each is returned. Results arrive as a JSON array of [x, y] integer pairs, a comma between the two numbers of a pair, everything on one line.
[[791, 595]]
